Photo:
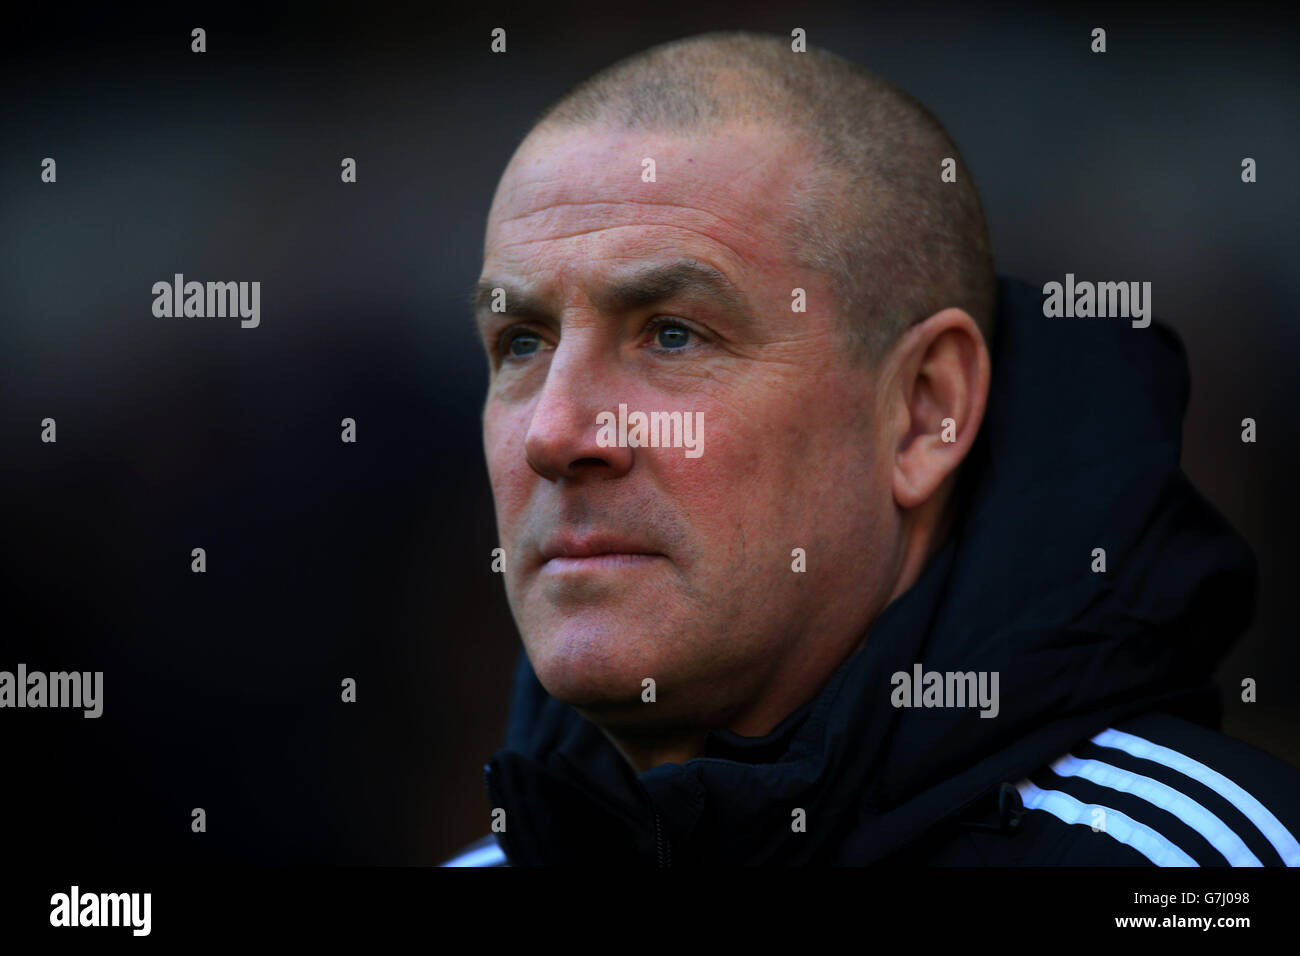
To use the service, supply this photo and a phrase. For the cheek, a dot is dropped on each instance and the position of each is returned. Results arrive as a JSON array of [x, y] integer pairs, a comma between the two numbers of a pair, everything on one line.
[[732, 496], [508, 470], [772, 472]]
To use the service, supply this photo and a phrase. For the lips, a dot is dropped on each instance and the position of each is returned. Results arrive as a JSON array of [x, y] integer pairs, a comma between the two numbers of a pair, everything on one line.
[[590, 546]]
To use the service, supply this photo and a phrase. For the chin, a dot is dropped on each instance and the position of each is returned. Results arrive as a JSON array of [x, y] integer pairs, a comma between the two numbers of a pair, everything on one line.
[[596, 666]]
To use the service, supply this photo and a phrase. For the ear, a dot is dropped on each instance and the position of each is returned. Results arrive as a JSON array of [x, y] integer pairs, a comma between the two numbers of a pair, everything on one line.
[[938, 387]]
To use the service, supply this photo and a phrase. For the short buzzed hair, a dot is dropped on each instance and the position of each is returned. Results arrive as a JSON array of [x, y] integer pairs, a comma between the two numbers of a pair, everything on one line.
[[898, 243]]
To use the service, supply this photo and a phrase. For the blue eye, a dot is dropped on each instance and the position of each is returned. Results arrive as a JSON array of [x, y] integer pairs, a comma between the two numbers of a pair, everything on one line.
[[528, 340], [672, 337]]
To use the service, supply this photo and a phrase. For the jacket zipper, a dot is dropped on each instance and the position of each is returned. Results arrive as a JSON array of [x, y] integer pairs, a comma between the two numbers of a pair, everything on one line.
[[663, 848]]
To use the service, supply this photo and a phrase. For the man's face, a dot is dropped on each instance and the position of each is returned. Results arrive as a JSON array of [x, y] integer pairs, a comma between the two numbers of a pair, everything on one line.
[[626, 563]]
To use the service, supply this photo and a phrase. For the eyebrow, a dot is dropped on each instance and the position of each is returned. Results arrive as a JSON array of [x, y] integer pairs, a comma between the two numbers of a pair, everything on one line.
[[646, 287]]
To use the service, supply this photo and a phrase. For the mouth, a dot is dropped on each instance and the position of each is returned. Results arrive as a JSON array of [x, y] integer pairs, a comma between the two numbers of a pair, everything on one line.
[[568, 554], [598, 562]]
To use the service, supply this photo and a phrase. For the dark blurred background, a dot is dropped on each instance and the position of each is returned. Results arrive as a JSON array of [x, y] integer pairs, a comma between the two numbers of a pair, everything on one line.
[[328, 560]]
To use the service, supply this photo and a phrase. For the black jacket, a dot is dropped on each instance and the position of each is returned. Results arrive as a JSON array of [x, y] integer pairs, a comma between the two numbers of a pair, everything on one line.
[[1101, 751]]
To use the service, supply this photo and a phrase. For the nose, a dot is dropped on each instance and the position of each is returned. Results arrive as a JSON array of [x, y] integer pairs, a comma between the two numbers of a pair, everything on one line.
[[561, 439]]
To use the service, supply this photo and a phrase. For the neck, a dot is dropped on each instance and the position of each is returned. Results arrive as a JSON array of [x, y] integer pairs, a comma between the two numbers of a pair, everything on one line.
[[645, 755]]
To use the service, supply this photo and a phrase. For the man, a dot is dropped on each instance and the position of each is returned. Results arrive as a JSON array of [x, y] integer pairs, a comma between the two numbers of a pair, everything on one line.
[[805, 571]]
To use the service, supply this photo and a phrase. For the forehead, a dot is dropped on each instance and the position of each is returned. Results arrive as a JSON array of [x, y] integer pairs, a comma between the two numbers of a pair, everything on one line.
[[579, 196]]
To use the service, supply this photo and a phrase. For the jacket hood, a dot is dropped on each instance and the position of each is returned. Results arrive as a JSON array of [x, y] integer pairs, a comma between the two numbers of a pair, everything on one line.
[[1079, 449]]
